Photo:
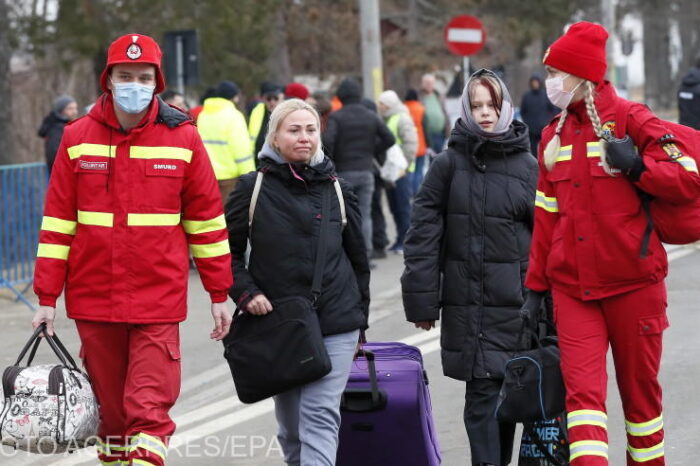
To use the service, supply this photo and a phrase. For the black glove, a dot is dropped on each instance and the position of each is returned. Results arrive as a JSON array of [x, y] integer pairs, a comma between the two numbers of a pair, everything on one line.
[[533, 304], [620, 153]]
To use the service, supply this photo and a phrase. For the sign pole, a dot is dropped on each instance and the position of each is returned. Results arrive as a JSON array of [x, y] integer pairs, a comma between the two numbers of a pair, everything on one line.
[[179, 57]]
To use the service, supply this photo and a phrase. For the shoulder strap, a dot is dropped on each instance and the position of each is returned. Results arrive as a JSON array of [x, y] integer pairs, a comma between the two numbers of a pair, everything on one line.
[[254, 199], [320, 262], [341, 200]]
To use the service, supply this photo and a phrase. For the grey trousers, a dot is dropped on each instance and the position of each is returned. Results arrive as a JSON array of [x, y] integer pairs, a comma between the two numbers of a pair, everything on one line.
[[309, 416], [362, 183]]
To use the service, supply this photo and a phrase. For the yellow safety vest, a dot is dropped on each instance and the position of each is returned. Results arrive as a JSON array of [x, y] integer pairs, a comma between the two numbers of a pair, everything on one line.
[[393, 124], [257, 115], [223, 130]]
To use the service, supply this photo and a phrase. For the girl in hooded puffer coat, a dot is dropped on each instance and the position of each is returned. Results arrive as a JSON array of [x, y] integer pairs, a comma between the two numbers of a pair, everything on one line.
[[466, 254]]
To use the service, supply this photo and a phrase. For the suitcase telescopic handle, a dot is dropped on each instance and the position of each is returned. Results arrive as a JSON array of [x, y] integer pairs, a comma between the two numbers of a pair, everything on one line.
[[372, 369]]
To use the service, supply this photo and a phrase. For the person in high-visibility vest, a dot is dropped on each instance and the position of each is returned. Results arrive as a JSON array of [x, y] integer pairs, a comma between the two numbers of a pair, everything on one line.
[[132, 188], [417, 111], [271, 95], [399, 121], [224, 133]]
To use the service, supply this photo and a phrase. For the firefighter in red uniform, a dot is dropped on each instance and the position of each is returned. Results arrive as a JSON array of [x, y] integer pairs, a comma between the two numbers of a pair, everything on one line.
[[587, 248], [132, 187]]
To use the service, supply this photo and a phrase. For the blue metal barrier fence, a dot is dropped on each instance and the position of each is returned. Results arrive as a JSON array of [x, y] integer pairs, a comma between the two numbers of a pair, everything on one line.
[[22, 191]]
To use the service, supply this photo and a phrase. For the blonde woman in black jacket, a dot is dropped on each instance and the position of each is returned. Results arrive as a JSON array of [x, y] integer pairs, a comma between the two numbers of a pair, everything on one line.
[[285, 236]]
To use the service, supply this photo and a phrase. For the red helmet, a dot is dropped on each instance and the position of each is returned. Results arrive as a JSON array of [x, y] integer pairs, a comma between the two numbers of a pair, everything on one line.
[[134, 48]]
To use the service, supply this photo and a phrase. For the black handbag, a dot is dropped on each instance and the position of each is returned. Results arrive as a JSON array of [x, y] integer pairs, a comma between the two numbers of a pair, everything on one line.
[[533, 387], [282, 349]]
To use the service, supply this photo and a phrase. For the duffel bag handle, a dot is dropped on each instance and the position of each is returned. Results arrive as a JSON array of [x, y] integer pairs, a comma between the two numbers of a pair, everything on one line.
[[33, 340], [56, 345]]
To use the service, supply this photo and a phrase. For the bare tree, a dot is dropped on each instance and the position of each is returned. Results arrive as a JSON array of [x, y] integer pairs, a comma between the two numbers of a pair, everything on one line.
[[6, 143]]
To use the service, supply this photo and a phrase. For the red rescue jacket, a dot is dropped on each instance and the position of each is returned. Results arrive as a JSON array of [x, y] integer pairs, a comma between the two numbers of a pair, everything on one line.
[[120, 210], [589, 225]]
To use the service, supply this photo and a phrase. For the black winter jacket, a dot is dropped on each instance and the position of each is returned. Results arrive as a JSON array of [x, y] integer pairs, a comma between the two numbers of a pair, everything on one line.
[[285, 233], [51, 130], [471, 226], [689, 99], [354, 134], [536, 110]]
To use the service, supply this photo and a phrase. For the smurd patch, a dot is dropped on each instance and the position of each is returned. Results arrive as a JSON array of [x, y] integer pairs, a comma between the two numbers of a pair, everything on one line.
[[672, 150], [609, 129]]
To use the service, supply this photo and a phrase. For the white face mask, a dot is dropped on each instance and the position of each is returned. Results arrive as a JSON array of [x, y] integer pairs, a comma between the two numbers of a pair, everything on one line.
[[556, 93]]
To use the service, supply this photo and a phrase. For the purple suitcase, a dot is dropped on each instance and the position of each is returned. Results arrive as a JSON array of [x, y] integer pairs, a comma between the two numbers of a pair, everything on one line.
[[392, 424]]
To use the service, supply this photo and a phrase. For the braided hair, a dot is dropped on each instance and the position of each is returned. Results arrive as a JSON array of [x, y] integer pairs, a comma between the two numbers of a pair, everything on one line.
[[552, 150]]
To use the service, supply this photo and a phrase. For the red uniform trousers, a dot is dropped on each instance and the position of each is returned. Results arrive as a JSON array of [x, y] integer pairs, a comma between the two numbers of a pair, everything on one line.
[[135, 371], [632, 323]]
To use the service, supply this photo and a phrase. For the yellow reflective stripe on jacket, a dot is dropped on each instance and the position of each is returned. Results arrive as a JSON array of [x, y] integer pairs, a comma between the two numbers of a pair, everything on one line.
[[688, 163], [203, 251], [593, 149], [642, 455], [153, 220], [100, 219], [641, 429], [53, 251], [58, 225], [195, 227], [256, 121], [96, 150], [587, 417], [150, 443], [549, 204], [564, 154], [116, 463], [160, 152], [588, 447]]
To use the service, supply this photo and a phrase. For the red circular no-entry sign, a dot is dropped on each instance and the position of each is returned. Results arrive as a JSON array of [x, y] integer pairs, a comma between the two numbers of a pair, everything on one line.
[[464, 35]]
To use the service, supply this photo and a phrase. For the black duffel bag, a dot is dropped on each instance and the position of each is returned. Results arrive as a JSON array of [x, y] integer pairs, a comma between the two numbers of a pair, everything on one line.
[[533, 387], [283, 349]]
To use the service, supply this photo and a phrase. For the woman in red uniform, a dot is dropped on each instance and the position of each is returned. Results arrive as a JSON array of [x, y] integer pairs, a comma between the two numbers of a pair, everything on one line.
[[587, 248]]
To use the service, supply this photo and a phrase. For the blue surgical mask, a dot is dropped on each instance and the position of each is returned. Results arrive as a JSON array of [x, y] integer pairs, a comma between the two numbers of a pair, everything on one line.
[[132, 97]]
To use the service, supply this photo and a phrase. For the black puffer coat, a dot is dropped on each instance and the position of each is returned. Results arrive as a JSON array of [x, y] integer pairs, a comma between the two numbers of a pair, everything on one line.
[[355, 134], [472, 221], [285, 235]]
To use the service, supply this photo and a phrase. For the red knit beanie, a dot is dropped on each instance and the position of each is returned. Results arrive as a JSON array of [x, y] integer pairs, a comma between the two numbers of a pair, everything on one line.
[[580, 52], [134, 48], [296, 90]]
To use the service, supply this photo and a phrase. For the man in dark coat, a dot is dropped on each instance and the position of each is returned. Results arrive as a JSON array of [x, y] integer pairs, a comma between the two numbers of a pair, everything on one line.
[[536, 110], [354, 137], [64, 110], [689, 97]]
